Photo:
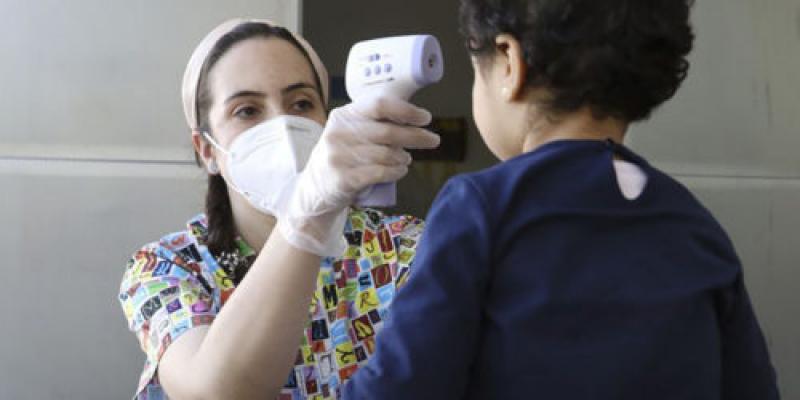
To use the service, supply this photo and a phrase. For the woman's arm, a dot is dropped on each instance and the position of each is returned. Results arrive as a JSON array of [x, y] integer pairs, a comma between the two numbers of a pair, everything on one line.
[[247, 352]]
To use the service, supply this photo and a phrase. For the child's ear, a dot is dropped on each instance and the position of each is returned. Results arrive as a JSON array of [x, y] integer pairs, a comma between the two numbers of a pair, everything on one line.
[[511, 59]]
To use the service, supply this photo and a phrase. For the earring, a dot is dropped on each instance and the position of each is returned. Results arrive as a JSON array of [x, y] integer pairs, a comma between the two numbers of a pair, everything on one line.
[[505, 92], [213, 169]]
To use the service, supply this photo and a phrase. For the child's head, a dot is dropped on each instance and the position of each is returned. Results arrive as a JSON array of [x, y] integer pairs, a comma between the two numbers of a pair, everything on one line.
[[616, 59]]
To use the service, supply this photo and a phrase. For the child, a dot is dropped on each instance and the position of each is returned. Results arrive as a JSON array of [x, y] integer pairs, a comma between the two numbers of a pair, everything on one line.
[[573, 269]]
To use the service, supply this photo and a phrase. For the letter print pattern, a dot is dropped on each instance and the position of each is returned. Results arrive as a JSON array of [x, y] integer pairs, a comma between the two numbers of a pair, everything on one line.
[[175, 284]]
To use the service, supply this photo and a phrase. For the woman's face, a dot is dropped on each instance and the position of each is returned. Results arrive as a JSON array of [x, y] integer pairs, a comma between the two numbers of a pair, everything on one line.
[[256, 80]]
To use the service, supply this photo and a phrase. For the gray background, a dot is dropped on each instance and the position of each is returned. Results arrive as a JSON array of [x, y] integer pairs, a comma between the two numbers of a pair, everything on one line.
[[92, 87]]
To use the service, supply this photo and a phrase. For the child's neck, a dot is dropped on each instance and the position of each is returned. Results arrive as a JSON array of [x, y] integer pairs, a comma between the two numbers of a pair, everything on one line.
[[580, 125]]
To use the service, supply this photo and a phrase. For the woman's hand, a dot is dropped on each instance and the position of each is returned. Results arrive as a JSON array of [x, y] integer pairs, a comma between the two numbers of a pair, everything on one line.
[[363, 144]]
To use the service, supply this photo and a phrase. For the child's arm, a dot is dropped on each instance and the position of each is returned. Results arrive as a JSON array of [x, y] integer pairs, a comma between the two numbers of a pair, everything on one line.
[[428, 344], [747, 373]]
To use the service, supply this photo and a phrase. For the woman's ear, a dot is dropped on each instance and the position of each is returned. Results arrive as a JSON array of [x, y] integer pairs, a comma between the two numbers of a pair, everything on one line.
[[512, 66], [205, 151]]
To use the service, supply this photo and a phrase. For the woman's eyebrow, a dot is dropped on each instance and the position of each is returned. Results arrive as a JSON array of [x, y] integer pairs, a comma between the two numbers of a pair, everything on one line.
[[297, 86], [244, 93], [284, 91]]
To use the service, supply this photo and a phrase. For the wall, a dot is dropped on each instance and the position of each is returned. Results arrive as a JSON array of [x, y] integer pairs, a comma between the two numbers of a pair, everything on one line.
[[731, 134], [95, 161]]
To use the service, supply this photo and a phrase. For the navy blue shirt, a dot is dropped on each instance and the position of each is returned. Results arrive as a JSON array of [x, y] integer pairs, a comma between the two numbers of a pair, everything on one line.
[[537, 278]]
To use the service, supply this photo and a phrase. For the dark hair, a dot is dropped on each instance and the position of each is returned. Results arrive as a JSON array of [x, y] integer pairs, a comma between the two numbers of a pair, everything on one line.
[[621, 58], [222, 230]]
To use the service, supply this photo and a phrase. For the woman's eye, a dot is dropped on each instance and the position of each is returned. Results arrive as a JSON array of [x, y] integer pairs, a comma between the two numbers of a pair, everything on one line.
[[245, 112], [303, 105]]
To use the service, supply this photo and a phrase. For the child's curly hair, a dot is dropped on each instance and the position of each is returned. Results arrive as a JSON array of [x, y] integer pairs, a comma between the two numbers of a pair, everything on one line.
[[621, 58]]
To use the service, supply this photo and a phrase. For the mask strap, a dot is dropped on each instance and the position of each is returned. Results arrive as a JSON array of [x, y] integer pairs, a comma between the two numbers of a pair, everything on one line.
[[214, 143]]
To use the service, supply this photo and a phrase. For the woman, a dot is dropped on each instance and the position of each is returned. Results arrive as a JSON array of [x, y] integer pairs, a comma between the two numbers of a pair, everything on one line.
[[577, 270], [220, 307]]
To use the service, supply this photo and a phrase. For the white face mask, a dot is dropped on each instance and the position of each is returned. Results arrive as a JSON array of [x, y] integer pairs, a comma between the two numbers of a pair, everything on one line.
[[265, 160]]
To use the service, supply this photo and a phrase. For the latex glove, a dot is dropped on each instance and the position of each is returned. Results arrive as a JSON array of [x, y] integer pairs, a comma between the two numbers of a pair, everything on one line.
[[363, 144]]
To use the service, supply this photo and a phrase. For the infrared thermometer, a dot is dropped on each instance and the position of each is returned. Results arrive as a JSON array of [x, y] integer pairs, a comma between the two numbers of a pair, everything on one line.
[[395, 66]]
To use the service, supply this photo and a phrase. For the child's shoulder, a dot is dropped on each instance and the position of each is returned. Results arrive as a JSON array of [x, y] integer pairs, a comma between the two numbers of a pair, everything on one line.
[[490, 182], [526, 164]]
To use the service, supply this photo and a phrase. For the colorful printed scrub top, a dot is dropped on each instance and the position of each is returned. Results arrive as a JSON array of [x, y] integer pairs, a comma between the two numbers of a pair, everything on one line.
[[175, 284]]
